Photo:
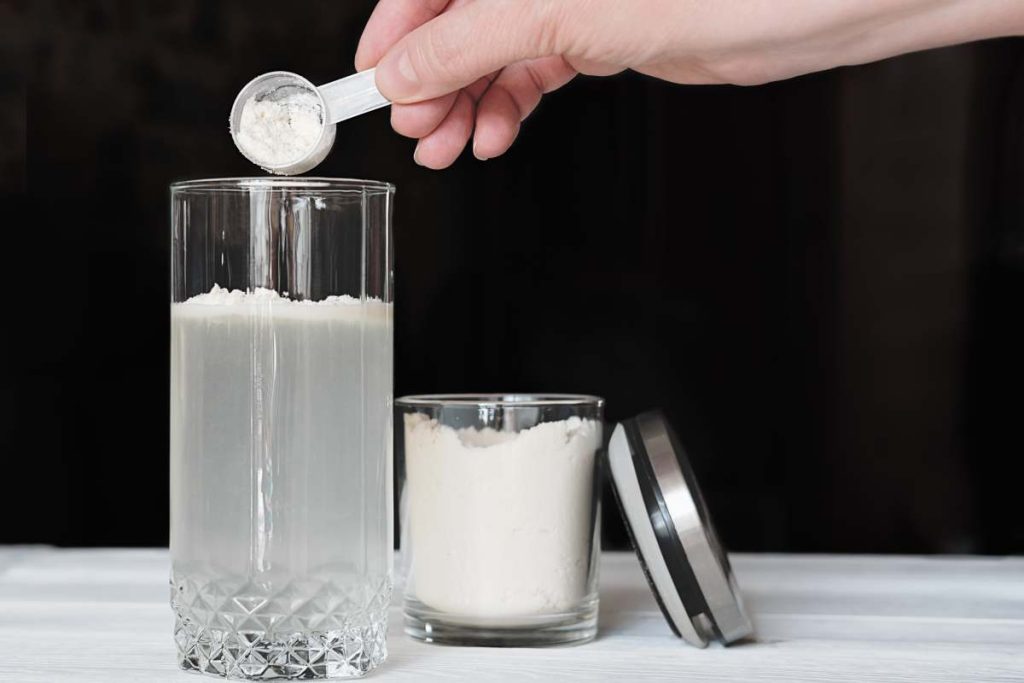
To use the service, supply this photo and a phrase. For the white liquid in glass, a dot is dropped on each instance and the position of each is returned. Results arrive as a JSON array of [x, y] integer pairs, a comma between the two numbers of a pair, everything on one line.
[[281, 529]]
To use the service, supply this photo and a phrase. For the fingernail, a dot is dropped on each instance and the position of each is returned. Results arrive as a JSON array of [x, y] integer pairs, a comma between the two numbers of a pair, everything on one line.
[[416, 156], [477, 154], [396, 77]]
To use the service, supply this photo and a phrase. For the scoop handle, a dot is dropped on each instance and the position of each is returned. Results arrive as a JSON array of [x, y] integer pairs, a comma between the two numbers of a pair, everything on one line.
[[351, 96]]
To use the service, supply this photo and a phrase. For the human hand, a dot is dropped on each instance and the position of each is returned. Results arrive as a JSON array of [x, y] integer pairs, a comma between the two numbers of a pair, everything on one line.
[[456, 69]]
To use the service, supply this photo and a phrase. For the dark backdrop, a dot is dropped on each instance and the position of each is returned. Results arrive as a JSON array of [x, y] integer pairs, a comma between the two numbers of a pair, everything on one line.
[[819, 280]]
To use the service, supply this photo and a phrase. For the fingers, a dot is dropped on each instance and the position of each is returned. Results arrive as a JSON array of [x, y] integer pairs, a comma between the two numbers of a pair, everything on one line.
[[439, 57], [464, 43], [390, 20], [442, 147], [420, 119], [511, 98], [496, 107]]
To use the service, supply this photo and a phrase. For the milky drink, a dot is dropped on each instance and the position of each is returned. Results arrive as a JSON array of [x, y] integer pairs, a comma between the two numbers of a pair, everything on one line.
[[281, 467]]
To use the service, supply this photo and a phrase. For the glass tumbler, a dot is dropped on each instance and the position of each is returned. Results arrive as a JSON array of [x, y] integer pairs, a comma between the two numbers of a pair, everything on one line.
[[281, 426], [500, 509]]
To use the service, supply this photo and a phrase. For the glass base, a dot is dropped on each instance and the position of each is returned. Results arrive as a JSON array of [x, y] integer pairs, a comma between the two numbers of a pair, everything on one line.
[[566, 628], [305, 628], [321, 654]]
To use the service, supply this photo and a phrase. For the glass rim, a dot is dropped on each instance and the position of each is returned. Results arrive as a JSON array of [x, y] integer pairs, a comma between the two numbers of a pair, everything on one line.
[[313, 183], [510, 400]]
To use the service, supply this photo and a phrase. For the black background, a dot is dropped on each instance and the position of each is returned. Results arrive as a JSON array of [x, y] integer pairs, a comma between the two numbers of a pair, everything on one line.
[[820, 280]]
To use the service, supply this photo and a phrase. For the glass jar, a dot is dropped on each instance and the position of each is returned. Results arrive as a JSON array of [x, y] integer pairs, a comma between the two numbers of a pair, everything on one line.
[[500, 509], [281, 426]]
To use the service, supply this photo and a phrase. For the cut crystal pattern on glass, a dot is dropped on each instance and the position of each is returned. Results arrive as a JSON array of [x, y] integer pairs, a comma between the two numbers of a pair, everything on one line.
[[292, 633]]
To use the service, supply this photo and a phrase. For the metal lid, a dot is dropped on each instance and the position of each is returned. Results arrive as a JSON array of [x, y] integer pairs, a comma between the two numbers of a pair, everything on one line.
[[665, 514]]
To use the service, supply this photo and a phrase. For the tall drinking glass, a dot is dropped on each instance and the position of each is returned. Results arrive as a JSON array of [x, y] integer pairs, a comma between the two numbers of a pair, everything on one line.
[[281, 381]]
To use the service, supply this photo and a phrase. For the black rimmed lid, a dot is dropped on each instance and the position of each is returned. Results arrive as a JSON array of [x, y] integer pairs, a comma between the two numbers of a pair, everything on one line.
[[685, 565]]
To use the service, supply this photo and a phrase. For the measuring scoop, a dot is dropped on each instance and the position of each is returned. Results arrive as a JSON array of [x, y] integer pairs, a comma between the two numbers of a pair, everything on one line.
[[340, 100]]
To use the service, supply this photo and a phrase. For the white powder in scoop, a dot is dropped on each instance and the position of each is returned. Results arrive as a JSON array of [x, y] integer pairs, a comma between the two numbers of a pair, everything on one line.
[[499, 523], [281, 127]]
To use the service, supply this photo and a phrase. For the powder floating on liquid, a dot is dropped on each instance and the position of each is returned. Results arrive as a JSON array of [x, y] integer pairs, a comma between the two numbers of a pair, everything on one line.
[[222, 296], [224, 304], [280, 127]]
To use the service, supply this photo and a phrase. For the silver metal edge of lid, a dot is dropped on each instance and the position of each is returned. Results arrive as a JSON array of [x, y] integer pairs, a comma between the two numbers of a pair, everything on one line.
[[712, 572], [693, 527], [624, 477]]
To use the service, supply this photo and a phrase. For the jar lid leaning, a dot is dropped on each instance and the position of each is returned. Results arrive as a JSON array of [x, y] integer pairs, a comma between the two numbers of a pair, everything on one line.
[[666, 517]]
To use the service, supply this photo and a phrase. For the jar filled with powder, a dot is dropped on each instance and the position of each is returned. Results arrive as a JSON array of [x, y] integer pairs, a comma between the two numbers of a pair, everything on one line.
[[499, 511]]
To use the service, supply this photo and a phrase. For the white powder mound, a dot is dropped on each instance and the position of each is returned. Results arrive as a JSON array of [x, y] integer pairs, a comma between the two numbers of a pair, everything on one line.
[[220, 302], [221, 296], [280, 128], [500, 523]]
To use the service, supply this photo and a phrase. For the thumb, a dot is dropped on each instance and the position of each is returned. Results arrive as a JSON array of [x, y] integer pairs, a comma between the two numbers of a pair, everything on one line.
[[467, 43]]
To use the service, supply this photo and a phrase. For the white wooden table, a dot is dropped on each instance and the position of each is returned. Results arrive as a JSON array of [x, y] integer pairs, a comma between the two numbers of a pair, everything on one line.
[[102, 615]]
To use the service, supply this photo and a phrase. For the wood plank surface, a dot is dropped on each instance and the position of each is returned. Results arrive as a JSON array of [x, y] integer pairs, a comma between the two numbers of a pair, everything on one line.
[[103, 615]]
